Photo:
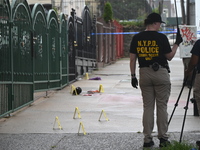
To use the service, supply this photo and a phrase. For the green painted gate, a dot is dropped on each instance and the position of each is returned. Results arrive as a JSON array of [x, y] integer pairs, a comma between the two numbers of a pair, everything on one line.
[[21, 54], [40, 48], [89, 41], [16, 56], [71, 50], [5, 59], [64, 50], [54, 77]]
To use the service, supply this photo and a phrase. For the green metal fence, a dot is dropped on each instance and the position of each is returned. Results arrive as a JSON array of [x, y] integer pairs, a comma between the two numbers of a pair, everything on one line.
[[37, 52]]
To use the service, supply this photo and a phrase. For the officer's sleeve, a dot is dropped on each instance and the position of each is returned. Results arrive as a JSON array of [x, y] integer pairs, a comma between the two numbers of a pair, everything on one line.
[[167, 47], [133, 46]]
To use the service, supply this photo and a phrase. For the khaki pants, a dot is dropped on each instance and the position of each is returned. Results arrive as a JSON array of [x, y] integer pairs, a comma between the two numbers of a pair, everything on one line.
[[197, 90], [155, 87]]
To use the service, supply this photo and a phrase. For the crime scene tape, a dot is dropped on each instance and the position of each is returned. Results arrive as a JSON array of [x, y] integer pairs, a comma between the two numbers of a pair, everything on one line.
[[165, 32], [129, 32]]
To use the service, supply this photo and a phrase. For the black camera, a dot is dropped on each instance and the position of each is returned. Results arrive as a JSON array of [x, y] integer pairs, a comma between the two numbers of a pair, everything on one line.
[[167, 67], [155, 66]]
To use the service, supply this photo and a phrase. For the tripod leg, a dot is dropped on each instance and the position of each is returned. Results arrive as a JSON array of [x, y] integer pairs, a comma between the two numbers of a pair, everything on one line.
[[176, 104], [186, 107]]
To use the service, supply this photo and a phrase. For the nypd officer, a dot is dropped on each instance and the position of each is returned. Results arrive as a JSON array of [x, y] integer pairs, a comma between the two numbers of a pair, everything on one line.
[[153, 51]]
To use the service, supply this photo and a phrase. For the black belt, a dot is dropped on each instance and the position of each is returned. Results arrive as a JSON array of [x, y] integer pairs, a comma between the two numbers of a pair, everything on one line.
[[155, 66], [159, 66], [150, 66]]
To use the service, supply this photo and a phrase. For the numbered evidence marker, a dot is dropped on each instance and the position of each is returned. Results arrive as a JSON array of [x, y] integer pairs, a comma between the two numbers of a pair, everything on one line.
[[58, 123], [73, 89], [81, 126], [86, 76], [103, 112], [77, 111], [101, 89]]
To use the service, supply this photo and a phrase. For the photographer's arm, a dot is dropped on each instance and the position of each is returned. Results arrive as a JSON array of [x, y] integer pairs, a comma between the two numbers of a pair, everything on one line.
[[179, 39]]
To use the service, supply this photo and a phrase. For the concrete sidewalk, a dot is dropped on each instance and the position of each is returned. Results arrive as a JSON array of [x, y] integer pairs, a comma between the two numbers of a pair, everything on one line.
[[32, 127]]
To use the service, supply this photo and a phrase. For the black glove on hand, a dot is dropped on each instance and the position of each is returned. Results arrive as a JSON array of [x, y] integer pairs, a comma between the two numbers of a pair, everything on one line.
[[178, 37], [134, 82]]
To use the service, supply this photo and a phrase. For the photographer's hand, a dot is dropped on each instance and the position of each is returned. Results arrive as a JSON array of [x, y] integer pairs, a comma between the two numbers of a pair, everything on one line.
[[178, 37]]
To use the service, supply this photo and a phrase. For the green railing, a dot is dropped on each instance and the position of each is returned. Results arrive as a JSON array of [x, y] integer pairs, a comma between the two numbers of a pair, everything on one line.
[[37, 52]]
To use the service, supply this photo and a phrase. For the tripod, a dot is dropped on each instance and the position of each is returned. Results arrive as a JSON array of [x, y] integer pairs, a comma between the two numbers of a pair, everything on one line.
[[187, 103]]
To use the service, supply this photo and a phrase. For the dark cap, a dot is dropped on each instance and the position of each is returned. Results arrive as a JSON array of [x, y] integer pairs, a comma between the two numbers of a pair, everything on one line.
[[155, 17]]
